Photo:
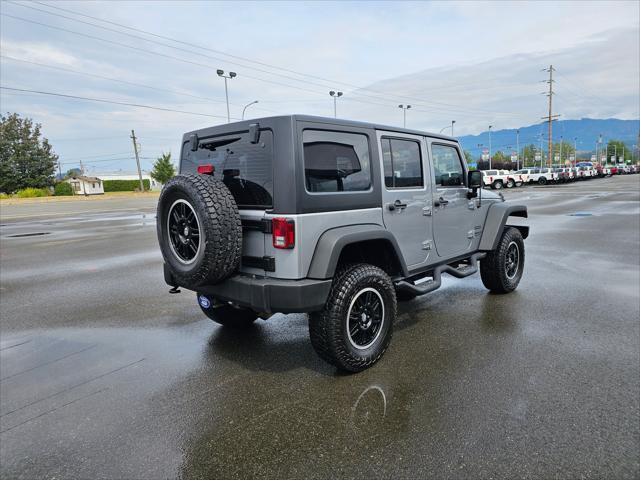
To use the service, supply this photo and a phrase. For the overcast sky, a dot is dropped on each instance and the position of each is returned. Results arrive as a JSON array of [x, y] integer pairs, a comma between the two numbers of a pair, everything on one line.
[[476, 63]]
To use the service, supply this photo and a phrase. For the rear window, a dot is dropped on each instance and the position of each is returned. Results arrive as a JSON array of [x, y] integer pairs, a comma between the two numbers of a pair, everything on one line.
[[244, 167]]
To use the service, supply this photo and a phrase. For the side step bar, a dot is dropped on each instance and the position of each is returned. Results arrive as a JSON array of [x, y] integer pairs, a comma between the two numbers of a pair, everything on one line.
[[436, 281]]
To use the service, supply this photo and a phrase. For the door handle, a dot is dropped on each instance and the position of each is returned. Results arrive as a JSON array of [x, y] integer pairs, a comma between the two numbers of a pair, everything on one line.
[[440, 201], [397, 204]]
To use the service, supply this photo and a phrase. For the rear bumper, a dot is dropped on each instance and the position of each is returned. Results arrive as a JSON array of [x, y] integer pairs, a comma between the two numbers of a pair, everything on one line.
[[265, 294]]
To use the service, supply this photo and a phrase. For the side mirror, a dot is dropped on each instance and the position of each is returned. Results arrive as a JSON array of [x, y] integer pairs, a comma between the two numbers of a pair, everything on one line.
[[474, 179]]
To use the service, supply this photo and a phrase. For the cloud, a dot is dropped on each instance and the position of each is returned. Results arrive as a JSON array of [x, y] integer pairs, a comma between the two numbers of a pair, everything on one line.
[[477, 63]]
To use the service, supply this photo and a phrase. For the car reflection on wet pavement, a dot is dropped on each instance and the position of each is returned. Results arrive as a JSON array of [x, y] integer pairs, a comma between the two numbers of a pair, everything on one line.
[[103, 374]]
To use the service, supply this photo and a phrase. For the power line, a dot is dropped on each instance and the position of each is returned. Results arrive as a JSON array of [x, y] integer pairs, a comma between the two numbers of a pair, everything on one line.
[[126, 104], [94, 156], [461, 109], [151, 52], [76, 72]]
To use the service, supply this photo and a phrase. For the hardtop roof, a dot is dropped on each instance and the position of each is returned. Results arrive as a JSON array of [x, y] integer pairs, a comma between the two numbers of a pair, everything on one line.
[[328, 121]]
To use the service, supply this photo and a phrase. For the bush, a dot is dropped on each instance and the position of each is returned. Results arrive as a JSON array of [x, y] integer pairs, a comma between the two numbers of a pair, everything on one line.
[[125, 185], [62, 189], [32, 192], [4, 195]]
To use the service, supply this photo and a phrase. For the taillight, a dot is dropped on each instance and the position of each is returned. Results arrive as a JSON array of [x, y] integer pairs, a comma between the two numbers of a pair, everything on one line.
[[206, 169], [283, 232]]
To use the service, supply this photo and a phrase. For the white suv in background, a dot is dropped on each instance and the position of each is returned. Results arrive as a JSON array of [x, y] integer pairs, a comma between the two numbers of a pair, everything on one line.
[[537, 175]]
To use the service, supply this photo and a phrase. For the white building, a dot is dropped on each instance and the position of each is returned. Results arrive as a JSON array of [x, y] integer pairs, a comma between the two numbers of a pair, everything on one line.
[[155, 185], [86, 185]]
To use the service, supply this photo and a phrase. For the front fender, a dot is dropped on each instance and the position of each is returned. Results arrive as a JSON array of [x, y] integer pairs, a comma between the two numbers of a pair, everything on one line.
[[495, 222]]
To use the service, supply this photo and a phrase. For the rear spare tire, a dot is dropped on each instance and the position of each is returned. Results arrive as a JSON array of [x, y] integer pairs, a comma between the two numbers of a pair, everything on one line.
[[199, 230]]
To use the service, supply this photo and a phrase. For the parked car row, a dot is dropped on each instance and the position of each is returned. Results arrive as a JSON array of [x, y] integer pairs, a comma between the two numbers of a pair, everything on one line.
[[497, 179]]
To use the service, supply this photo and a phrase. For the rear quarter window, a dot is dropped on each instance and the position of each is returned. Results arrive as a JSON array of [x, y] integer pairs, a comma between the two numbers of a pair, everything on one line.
[[336, 161]]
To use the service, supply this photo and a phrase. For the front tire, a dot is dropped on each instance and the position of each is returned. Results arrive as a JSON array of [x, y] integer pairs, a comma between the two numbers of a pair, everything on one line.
[[497, 185], [542, 181], [501, 270], [355, 327], [510, 183], [226, 315]]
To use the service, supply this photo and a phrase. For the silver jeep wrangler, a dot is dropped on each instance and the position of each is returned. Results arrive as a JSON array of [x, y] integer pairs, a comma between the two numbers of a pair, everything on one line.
[[336, 218]]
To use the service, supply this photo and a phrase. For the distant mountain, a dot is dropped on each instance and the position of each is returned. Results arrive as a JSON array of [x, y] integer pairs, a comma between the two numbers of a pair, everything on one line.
[[586, 130]]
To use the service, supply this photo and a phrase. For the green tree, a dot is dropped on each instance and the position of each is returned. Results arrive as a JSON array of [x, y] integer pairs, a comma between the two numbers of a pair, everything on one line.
[[500, 157], [163, 169], [26, 157], [468, 157], [565, 152], [617, 147]]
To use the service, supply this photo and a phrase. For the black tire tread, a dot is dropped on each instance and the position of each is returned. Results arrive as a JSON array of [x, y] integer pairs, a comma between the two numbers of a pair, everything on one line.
[[492, 271], [221, 224], [231, 317], [325, 329]]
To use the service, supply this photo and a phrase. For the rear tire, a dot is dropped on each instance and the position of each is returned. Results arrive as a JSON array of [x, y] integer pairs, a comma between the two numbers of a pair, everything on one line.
[[501, 270], [510, 183], [355, 327], [497, 185], [226, 315], [542, 181]]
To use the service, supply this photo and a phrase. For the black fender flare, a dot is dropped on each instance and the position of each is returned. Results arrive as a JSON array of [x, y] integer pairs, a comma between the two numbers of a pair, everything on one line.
[[330, 244], [496, 221]]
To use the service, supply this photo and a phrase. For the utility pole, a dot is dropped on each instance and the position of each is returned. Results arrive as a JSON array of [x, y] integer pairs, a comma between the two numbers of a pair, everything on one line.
[[575, 151], [81, 168], [561, 140], [59, 169], [550, 117], [517, 149], [135, 149]]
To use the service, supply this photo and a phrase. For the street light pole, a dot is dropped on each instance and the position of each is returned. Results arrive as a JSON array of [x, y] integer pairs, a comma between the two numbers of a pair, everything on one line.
[[335, 96], [452, 123], [248, 105], [226, 89], [490, 146], [561, 137], [517, 149], [404, 114], [575, 151]]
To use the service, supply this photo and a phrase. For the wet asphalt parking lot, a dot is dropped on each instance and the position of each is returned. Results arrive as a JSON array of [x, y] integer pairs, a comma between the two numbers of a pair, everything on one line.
[[104, 374]]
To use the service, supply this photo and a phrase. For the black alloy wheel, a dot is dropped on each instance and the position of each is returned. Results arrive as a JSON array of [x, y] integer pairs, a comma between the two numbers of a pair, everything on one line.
[[183, 231]]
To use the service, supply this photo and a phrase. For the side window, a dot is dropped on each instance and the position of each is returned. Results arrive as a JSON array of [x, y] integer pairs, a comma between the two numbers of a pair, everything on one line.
[[402, 163], [447, 166], [336, 161]]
